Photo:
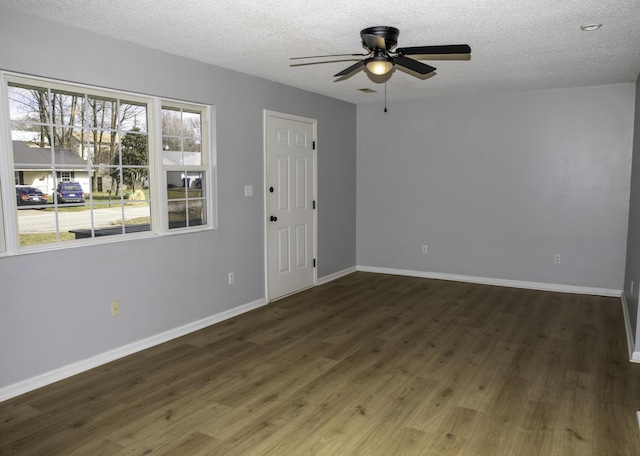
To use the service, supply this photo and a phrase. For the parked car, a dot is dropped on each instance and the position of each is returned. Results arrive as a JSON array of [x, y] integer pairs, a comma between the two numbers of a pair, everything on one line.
[[70, 192], [29, 196]]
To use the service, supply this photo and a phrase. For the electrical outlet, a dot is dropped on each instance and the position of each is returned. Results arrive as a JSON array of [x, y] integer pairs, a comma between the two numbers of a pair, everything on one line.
[[232, 278], [557, 259], [424, 248], [115, 308]]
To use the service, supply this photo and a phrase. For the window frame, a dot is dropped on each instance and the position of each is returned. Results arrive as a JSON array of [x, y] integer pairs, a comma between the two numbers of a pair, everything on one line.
[[205, 167], [158, 205]]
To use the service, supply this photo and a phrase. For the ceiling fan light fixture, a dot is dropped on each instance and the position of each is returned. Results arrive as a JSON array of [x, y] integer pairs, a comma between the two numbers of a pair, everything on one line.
[[379, 65]]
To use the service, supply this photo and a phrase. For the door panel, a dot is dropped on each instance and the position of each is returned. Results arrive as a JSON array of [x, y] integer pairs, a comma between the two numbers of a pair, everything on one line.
[[284, 241], [289, 209], [282, 188], [301, 247]]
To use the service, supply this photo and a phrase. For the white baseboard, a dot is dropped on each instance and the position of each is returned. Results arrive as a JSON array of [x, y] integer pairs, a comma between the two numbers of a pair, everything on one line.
[[498, 282], [634, 356], [81, 366], [638, 419], [336, 275]]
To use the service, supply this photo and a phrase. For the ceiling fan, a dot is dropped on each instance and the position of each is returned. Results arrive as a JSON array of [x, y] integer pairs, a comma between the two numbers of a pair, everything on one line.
[[380, 42]]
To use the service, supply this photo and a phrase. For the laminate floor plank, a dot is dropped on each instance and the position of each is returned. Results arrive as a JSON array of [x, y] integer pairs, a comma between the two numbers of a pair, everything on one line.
[[368, 364]]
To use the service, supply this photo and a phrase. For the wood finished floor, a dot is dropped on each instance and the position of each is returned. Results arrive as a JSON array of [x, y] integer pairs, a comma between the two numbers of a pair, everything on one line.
[[368, 365]]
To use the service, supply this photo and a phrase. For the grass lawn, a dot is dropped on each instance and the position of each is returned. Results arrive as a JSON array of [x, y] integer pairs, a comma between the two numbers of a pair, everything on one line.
[[44, 238]]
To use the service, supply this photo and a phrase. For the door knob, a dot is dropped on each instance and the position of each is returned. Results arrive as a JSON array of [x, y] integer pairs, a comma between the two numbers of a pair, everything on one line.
[[274, 218]]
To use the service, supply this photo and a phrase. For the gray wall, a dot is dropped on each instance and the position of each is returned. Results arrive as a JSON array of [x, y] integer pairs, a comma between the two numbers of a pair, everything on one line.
[[632, 273], [167, 282], [497, 184]]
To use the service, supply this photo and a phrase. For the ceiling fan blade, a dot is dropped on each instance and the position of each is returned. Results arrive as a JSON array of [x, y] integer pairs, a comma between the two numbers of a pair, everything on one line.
[[320, 63], [414, 65], [426, 50], [326, 56], [351, 69]]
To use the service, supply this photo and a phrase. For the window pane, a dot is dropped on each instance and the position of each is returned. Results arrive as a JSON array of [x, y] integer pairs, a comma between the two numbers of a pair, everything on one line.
[[23, 131], [171, 122], [102, 113], [73, 220], [138, 217], [29, 104], [134, 149], [102, 147], [107, 219], [176, 185], [68, 109], [133, 116], [192, 145], [191, 124], [192, 158], [171, 158], [71, 147], [171, 144], [196, 185], [177, 214], [38, 227], [197, 214]]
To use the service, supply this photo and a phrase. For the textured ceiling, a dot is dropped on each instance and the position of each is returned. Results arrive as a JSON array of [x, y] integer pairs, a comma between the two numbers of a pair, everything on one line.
[[516, 45]]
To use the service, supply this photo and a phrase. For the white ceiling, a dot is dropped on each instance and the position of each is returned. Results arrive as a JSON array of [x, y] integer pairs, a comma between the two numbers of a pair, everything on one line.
[[516, 45]]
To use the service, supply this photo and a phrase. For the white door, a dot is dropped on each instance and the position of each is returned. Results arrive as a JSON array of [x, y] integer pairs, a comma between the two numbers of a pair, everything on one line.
[[289, 204]]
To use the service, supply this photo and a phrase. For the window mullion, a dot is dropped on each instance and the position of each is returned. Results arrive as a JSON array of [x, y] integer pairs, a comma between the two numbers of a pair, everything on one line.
[[156, 179], [9, 229]]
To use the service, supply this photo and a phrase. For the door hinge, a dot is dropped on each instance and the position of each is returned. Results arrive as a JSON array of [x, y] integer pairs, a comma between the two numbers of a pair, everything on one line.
[[314, 204], [314, 262], [314, 145]]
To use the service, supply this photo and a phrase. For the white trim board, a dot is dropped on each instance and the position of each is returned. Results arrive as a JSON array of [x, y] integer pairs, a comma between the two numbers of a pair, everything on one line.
[[634, 356], [55, 375], [336, 275], [497, 282]]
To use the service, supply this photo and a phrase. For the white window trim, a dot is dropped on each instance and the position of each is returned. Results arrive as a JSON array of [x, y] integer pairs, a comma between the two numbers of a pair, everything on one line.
[[208, 160], [9, 232]]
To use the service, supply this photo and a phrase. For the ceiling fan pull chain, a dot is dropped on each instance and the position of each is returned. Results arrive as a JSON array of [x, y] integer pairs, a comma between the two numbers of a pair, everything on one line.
[[385, 93]]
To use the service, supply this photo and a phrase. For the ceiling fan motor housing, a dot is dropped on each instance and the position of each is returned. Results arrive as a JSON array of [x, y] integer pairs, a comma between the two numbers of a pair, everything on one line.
[[380, 37]]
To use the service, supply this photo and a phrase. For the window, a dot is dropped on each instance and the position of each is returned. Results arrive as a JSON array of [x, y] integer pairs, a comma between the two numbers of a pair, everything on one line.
[[183, 165], [66, 176], [93, 155]]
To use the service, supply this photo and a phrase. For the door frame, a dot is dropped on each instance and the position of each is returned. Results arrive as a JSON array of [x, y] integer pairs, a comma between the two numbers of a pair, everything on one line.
[[314, 123]]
